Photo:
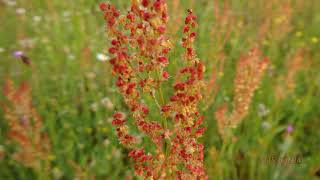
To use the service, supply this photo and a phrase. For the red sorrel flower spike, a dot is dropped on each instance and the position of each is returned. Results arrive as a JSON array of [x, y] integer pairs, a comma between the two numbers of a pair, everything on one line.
[[250, 71], [25, 126], [139, 57]]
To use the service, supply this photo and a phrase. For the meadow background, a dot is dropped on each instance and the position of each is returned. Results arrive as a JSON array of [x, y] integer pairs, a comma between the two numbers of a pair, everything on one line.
[[74, 92]]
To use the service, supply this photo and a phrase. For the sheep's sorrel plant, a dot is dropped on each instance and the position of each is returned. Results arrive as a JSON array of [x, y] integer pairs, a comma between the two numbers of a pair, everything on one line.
[[286, 83], [250, 70], [140, 55], [25, 127]]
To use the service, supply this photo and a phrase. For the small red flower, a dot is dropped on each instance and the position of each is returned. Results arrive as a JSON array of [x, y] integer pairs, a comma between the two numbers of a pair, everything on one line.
[[145, 3], [118, 122], [165, 75], [179, 86], [200, 131], [131, 17], [115, 42], [192, 35], [165, 108], [166, 51], [186, 29], [161, 29], [116, 14], [103, 6], [146, 16], [190, 51], [188, 19], [112, 50], [163, 60], [157, 5], [118, 115], [120, 82], [144, 109], [130, 88]]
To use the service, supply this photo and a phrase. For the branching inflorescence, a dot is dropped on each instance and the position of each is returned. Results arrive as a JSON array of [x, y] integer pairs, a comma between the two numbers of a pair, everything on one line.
[[250, 70], [25, 126], [286, 84], [140, 55]]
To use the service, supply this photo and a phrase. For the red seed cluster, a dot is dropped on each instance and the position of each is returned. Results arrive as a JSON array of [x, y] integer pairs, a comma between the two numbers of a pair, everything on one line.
[[139, 50]]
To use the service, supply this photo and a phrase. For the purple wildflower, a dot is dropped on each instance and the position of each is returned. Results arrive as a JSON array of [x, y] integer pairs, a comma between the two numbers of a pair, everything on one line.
[[290, 128], [18, 54]]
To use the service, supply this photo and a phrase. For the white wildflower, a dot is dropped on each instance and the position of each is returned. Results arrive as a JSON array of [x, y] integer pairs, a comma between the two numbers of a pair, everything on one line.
[[11, 3], [262, 110], [37, 18], [107, 103], [266, 125], [106, 142], [56, 172], [94, 107], [20, 11], [101, 57]]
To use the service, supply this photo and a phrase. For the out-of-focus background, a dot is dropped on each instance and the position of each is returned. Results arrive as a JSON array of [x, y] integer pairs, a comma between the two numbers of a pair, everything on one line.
[[66, 66]]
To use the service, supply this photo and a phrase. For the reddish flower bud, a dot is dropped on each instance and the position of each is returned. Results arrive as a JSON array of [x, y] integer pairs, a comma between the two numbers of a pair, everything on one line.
[[116, 14], [200, 131], [145, 3], [179, 86], [157, 5], [165, 108], [190, 51], [103, 6], [131, 17], [161, 29], [111, 22], [140, 26], [192, 35], [118, 115], [179, 117], [153, 41], [200, 71], [174, 98], [112, 50], [120, 82], [186, 29], [145, 110], [200, 121], [130, 88], [146, 16], [166, 50], [114, 42], [163, 60], [188, 19], [145, 158], [118, 122], [129, 138], [165, 75], [113, 61], [188, 129]]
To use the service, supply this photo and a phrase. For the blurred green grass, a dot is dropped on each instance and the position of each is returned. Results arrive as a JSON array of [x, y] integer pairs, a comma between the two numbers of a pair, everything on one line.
[[63, 38]]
